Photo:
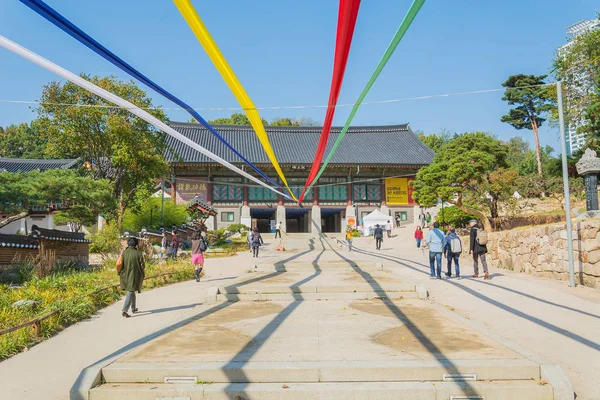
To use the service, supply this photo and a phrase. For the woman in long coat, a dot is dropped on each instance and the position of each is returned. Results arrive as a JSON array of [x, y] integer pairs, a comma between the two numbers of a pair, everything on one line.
[[132, 275]]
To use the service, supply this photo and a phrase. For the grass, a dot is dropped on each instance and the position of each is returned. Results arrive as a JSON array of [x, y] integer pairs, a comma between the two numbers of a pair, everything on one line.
[[67, 291]]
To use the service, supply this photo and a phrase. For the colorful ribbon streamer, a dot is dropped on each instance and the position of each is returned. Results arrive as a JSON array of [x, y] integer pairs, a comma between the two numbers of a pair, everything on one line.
[[347, 14], [61, 22], [210, 46], [50, 66], [406, 22]]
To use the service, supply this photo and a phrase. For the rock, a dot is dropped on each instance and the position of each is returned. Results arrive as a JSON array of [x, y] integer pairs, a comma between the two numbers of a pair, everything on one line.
[[14, 287], [25, 303]]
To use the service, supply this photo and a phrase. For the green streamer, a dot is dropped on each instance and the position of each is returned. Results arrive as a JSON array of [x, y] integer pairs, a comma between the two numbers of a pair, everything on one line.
[[408, 19]]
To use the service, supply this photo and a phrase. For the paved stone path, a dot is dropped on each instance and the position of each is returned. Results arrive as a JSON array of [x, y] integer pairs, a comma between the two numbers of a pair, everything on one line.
[[558, 323]]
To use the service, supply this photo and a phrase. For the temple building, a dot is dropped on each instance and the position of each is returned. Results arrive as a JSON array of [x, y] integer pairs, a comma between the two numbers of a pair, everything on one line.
[[370, 170]]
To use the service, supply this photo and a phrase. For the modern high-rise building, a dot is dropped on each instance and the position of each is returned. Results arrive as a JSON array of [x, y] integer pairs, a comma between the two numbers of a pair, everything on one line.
[[575, 141]]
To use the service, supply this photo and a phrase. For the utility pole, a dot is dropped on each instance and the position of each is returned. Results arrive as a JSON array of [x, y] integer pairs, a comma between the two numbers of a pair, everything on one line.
[[162, 209], [565, 171]]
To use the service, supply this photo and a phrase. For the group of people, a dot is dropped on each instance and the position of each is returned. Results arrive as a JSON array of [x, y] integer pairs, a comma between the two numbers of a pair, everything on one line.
[[450, 247]]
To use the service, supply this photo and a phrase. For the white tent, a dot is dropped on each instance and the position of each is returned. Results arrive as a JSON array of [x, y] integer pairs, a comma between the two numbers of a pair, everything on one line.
[[376, 217]]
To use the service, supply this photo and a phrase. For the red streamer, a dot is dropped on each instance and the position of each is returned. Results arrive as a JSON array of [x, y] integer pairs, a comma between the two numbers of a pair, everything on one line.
[[347, 14]]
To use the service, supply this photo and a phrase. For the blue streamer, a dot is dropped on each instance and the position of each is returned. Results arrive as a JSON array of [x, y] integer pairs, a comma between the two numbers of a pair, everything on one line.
[[67, 26]]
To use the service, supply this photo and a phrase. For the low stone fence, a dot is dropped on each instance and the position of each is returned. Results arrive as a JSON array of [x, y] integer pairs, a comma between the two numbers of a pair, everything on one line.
[[543, 251]]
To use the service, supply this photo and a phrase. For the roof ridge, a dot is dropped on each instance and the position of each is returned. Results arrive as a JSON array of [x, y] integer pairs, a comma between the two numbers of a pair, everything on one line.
[[38, 160]]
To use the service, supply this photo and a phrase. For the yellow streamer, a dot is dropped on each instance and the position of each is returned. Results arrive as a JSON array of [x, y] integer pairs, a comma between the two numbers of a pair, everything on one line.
[[197, 26]]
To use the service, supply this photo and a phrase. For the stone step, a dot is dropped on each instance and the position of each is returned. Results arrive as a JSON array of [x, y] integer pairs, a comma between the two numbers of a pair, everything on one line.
[[499, 390], [346, 288], [324, 371], [315, 296]]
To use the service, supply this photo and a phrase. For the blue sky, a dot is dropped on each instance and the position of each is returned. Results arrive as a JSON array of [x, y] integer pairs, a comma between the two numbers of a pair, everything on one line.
[[282, 51]]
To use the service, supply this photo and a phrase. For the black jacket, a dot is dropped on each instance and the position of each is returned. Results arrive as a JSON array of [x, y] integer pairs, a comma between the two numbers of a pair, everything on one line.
[[476, 247], [378, 233]]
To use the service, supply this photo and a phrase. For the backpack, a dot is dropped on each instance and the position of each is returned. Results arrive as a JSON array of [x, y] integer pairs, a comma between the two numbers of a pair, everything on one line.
[[349, 236], [256, 238], [482, 237], [203, 245], [455, 246]]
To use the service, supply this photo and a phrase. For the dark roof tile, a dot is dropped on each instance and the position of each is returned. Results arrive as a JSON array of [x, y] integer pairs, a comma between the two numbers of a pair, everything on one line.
[[26, 165]]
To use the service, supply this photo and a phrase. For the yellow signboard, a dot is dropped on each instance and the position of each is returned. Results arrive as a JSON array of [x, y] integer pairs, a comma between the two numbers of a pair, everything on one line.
[[396, 191]]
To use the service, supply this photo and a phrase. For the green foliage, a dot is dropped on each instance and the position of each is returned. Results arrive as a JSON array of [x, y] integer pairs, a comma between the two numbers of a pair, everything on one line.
[[461, 167], [454, 216], [147, 215], [112, 142], [217, 238], [23, 141], [433, 141], [578, 67], [237, 228], [235, 119], [107, 241], [242, 119], [532, 101], [22, 191], [75, 217], [68, 291]]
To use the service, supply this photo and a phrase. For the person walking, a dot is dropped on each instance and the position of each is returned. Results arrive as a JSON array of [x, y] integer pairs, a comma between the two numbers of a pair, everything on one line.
[[388, 229], [378, 233], [478, 247], [452, 251], [397, 221], [428, 219], [418, 236], [174, 244], [349, 239], [249, 240], [163, 245], [422, 219], [131, 275], [436, 242], [257, 241], [199, 246], [278, 230]]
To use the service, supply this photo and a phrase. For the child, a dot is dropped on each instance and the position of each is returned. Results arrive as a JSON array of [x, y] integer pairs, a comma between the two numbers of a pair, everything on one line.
[[419, 236], [199, 246], [349, 239]]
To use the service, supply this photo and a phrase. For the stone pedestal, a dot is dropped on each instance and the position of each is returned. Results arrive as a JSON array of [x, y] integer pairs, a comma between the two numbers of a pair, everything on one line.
[[245, 217], [385, 209], [315, 223], [589, 167], [280, 217], [210, 223], [351, 213]]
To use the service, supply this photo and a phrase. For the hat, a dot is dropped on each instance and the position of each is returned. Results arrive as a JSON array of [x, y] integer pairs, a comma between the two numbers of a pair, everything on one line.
[[473, 220]]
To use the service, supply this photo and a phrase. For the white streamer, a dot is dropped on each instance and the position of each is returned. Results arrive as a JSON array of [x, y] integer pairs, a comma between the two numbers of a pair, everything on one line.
[[50, 66]]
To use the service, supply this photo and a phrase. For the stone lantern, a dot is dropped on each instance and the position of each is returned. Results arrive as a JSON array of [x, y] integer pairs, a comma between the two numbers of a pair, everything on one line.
[[589, 167]]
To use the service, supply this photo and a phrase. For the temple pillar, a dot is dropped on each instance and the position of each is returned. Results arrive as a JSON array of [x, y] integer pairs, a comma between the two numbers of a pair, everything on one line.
[[315, 217], [280, 217]]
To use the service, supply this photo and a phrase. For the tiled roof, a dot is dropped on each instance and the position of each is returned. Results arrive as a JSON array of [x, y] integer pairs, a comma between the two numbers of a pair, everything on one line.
[[55, 234], [26, 165], [367, 145]]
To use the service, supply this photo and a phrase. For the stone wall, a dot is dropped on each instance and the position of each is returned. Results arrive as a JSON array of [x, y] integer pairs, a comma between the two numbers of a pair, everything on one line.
[[543, 251]]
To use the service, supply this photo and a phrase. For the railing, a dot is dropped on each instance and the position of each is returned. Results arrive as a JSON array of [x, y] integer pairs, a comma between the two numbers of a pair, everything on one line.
[[37, 322]]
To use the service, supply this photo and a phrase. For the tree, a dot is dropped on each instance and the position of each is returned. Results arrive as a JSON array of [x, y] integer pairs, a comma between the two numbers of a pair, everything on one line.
[[578, 67], [76, 217], [112, 142], [285, 122], [23, 141], [147, 215], [235, 119], [52, 189], [463, 166], [433, 141]]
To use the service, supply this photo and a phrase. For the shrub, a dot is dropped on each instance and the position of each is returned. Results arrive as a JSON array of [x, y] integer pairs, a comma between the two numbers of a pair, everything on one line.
[[106, 241], [216, 238], [148, 215], [455, 216], [237, 228]]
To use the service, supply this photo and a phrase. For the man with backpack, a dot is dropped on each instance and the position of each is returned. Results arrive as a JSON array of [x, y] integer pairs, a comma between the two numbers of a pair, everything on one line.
[[257, 241], [378, 233], [478, 248], [436, 242], [452, 251]]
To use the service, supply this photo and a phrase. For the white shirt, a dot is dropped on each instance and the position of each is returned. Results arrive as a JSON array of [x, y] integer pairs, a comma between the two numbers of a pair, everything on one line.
[[277, 226]]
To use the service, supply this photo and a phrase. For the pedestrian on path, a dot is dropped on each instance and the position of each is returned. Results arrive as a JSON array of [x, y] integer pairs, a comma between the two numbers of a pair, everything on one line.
[[397, 221], [388, 229], [478, 247], [378, 233], [452, 251], [349, 239], [436, 242], [131, 275], [422, 219], [428, 219], [418, 236], [199, 246], [249, 240], [257, 241], [278, 230], [174, 244], [163, 245]]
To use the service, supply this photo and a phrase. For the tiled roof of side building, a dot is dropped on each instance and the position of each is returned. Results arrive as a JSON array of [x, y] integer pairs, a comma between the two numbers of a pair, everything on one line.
[[26, 165], [369, 145]]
